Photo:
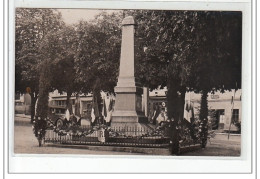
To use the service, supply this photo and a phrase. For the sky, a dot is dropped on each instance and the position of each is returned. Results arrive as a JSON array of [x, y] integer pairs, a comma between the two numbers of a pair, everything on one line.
[[71, 16]]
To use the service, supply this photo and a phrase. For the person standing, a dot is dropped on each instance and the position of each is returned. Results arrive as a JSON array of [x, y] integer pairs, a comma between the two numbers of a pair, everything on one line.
[[161, 117], [155, 114]]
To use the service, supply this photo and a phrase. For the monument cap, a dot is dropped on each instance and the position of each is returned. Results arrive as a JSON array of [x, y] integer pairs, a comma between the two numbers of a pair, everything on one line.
[[129, 20]]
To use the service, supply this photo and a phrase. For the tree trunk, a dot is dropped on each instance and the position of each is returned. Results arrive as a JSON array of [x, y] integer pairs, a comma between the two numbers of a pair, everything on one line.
[[33, 102], [77, 106], [96, 102], [181, 103], [68, 102], [175, 106], [40, 142], [204, 118]]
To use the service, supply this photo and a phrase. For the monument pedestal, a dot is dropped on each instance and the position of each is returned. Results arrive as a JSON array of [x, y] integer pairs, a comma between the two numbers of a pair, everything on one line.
[[128, 107]]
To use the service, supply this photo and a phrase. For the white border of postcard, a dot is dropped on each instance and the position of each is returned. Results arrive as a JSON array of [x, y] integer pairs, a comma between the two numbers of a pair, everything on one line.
[[139, 164]]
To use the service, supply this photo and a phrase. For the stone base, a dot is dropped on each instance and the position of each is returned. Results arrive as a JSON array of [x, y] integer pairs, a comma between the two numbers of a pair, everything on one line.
[[129, 125], [128, 117], [132, 122], [131, 128]]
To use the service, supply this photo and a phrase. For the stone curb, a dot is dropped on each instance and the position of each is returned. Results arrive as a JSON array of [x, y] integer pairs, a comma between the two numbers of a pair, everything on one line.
[[150, 151], [227, 134]]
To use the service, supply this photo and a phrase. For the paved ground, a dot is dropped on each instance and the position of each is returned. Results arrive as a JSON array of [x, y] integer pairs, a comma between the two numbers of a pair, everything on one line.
[[220, 146], [25, 142]]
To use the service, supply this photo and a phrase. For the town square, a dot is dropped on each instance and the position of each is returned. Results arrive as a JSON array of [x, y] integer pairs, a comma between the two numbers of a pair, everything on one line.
[[128, 82]]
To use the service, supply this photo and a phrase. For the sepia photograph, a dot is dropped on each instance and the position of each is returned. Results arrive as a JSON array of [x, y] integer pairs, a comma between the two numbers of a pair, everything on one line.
[[128, 82]]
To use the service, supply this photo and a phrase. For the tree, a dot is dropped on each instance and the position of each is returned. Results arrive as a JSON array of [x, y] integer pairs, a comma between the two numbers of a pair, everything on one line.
[[30, 28], [196, 49], [220, 65], [44, 89], [98, 53], [40, 123], [59, 47]]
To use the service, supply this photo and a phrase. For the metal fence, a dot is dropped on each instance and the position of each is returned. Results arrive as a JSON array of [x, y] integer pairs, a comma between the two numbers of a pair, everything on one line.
[[116, 136], [119, 136]]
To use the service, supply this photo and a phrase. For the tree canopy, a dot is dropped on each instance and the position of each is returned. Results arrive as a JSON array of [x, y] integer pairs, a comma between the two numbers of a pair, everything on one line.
[[201, 50], [31, 26], [59, 47], [98, 52], [187, 50]]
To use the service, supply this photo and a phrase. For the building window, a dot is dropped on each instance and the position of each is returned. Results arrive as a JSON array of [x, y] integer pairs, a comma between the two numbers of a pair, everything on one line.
[[235, 115], [218, 119], [61, 103]]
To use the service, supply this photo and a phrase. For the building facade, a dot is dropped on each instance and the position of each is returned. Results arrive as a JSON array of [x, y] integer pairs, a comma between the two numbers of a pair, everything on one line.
[[81, 105], [221, 106], [57, 104]]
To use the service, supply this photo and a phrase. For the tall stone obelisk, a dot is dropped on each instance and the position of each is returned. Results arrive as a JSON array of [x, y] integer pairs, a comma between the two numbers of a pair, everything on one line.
[[128, 103]]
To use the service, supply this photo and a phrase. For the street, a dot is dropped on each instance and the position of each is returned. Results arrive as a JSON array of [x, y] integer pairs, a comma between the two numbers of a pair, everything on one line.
[[26, 143]]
